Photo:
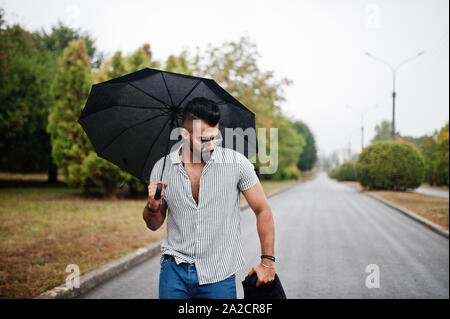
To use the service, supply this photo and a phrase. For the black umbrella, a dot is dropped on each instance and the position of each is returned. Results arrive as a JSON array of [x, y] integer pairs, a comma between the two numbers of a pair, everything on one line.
[[129, 119]]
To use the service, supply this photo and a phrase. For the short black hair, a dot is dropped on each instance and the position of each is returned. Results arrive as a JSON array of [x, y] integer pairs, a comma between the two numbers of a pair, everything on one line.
[[204, 109]]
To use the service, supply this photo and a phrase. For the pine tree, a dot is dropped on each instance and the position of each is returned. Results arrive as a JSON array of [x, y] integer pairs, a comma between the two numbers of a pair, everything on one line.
[[72, 151]]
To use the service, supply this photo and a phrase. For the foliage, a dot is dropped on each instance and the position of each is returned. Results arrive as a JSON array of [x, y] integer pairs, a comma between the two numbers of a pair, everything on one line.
[[234, 66], [61, 35], [26, 70], [71, 149], [308, 157], [390, 165], [383, 132], [435, 150], [344, 172]]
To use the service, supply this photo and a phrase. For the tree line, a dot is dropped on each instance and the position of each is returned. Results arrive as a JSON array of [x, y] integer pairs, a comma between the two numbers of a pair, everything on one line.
[[46, 78]]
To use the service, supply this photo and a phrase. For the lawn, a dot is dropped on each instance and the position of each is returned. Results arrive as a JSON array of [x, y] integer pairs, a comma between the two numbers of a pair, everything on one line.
[[433, 208], [44, 229]]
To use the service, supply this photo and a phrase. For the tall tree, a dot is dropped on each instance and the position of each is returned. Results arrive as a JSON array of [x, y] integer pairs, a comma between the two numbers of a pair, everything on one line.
[[234, 66], [435, 150], [26, 72], [71, 148], [60, 36], [117, 66], [308, 157], [179, 64], [383, 131]]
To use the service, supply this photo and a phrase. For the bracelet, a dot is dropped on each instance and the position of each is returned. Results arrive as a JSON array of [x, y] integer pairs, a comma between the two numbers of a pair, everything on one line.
[[268, 257], [271, 267]]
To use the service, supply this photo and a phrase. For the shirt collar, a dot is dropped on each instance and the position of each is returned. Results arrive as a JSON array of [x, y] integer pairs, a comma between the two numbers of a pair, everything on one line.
[[175, 156]]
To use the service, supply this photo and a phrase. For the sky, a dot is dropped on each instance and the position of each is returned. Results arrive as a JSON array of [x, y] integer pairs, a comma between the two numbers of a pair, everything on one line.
[[319, 44]]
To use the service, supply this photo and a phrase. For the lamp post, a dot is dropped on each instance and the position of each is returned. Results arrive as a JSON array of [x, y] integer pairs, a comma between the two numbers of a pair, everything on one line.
[[361, 114], [394, 74]]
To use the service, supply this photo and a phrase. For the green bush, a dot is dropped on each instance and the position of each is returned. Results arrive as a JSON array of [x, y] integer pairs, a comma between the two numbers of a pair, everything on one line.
[[332, 173], [347, 172], [344, 172], [434, 149], [390, 165]]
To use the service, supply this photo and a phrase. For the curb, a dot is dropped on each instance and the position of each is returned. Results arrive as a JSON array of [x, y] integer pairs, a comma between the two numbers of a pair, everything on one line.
[[433, 226], [101, 274]]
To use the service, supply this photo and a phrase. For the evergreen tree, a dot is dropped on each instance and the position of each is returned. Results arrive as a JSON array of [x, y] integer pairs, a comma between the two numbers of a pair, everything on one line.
[[71, 148]]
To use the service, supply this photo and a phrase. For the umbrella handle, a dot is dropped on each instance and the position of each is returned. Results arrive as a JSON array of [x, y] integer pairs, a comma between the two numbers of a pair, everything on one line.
[[158, 191]]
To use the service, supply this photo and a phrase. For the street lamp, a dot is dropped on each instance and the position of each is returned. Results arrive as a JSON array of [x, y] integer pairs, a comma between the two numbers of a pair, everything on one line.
[[394, 71], [361, 114]]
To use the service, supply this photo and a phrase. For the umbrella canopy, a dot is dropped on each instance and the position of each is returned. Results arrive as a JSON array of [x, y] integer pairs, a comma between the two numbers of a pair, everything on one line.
[[129, 119]]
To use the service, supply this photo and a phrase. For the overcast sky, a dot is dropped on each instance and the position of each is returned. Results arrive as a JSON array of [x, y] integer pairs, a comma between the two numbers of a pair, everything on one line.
[[318, 44]]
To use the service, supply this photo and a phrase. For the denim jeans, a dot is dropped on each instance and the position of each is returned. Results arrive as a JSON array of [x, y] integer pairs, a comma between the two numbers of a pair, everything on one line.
[[181, 282]]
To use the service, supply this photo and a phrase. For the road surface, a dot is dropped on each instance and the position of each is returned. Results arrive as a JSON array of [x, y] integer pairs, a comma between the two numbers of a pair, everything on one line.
[[432, 192], [326, 234]]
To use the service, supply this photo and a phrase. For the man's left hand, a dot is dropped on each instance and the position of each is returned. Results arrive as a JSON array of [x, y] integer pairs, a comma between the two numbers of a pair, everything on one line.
[[265, 275]]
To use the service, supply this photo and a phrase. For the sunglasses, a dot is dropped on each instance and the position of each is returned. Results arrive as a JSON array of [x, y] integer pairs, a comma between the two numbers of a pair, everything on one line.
[[215, 142]]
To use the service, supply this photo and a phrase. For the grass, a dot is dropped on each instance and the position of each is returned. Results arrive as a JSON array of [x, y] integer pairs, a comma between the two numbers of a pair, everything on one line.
[[433, 208], [44, 229]]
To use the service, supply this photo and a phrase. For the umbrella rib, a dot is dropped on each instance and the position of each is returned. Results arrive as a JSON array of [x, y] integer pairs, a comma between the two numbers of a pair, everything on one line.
[[151, 147], [168, 92], [140, 107], [131, 106], [124, 130], [148, 94], [196, 84]]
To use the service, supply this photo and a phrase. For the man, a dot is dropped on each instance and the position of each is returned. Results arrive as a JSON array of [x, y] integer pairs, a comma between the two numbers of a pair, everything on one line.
[[203, 251]]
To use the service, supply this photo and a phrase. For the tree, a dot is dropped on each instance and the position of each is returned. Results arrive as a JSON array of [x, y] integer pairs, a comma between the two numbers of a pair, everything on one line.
[[443, 160], [60, 36], [179, 64], [308, 157], [26, 72], [120, 65], [234, 66], [434, 149], [383, 132], [71, 149], [117, 66]]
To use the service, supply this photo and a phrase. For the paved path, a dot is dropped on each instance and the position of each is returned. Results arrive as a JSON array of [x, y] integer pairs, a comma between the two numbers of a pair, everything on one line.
[[326, 234], [432, 192]]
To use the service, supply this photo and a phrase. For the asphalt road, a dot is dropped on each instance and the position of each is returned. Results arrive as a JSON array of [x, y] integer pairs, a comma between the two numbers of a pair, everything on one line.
[[432, 192], [326, 234]]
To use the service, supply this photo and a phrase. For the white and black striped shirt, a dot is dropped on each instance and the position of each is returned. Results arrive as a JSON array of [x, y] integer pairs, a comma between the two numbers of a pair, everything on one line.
[[207, 234]]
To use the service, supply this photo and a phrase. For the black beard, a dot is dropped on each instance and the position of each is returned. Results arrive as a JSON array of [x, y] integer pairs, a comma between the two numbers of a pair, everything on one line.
[[202, 155]]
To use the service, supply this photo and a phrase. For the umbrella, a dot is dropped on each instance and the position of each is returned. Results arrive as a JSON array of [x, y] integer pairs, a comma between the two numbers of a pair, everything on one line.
[[129, 119]]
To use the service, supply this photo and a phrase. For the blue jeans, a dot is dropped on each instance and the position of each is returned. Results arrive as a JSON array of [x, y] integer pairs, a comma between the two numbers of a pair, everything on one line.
[[181, 282]]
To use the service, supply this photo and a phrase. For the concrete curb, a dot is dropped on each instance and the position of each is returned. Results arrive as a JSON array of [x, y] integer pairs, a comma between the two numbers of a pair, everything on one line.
[[101, 274], [433, 226]]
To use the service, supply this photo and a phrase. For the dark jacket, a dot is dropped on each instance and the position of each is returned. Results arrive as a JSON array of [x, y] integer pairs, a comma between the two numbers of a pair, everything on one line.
[[271, 290]]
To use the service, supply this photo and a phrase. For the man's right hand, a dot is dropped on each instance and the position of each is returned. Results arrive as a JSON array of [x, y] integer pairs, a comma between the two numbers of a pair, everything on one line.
[[153, 203]]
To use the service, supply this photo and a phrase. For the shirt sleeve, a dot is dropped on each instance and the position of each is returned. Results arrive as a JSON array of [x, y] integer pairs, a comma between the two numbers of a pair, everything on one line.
[[247, 174], [155, 175]]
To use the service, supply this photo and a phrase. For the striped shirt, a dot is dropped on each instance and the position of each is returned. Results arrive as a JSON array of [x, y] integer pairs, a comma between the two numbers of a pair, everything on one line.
[[207, 234]]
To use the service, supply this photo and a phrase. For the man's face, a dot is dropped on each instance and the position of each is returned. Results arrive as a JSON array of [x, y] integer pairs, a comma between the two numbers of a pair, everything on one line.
[[201, 139]]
